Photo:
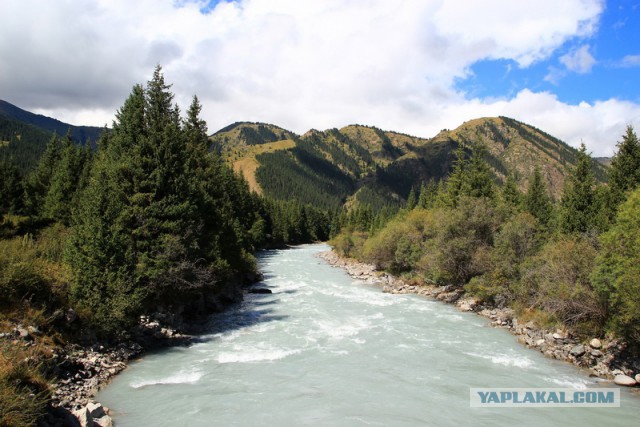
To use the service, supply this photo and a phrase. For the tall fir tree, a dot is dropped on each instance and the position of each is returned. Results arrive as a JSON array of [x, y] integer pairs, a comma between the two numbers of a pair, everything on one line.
[[624, 172], [511, 196], [537, 201], [157, 223], [578, 207]]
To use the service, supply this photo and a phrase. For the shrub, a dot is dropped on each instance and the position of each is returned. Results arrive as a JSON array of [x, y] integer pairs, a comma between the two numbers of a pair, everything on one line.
[[558, 281], [617, 276]]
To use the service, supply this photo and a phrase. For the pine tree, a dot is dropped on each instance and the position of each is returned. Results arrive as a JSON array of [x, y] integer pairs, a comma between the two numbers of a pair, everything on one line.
[[64, 182], [38, 182], [156, 217], [11, 187], [537, 201], [411, 199], [511, 196], [477, 181], [624, 172], [577, 212]]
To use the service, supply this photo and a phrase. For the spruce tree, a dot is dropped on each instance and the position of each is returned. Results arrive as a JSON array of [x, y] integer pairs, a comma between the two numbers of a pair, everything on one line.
[[411, 199], [577, 213], [624, 172], [11, 187], [537, 201], [511, 196]]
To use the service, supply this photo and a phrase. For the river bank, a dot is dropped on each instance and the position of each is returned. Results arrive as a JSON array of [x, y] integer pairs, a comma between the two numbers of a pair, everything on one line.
[[607, 358], [77, 369]]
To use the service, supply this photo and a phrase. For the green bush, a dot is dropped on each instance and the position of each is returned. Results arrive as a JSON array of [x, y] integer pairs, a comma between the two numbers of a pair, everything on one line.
[[558, 281], [617, 276]]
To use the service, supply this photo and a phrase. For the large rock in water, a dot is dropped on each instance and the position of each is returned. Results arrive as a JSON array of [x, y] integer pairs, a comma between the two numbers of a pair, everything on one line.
[[624, 380]]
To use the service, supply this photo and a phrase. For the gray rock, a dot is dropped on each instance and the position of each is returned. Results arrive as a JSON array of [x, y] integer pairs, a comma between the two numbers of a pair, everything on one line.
[[95, 410], [530, 325], [539, 342], [595, 343], [638, 378], [104, 421], [596, 353], [624, 380], [84, 417], [577, 351], [557, 336]]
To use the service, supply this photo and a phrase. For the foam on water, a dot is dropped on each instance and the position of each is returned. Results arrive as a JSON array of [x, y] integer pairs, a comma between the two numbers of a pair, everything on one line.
[[515, 360], [178, 378], [260, 355], [325, 350]]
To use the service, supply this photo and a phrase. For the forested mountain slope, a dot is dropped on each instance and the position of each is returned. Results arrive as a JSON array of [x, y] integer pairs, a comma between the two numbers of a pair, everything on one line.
[[362, 165]]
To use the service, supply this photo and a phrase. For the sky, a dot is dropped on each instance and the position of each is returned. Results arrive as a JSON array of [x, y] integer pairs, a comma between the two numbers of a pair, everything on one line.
[[568, 67]]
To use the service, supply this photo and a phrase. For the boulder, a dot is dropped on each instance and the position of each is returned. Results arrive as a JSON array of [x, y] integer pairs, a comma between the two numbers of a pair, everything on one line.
[[624, 380], [83, 417], [530, 325], [638, 378], [104, 421], [577, 351], [96, 410], [595, 343], [596, 353]]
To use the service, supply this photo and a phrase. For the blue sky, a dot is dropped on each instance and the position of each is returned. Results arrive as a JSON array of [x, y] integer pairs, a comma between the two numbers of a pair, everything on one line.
[[614, 73], [569, 67]]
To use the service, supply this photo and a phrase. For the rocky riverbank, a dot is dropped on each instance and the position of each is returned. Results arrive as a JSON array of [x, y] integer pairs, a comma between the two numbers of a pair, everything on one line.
[[604, 358], [80, 369]]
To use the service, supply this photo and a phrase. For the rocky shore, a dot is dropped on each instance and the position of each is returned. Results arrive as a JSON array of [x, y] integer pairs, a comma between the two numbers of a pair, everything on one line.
[[81, 369], [603, 358]]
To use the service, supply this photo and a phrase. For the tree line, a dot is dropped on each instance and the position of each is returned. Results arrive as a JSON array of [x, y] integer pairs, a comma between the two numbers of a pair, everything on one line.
[[571, 263], [151, 218]]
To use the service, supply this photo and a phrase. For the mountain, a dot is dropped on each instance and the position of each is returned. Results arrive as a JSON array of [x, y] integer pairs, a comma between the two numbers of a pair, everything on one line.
[[80, 134], [366, 165], [24, 135]]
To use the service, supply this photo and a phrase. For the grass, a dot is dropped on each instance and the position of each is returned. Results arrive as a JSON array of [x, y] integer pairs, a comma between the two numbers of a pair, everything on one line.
[[247, 164], [24, 392]]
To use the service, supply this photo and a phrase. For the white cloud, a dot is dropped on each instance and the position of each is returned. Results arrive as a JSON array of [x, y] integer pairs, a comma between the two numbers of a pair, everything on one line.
[[296, 64], [578, 60], [630, 61]]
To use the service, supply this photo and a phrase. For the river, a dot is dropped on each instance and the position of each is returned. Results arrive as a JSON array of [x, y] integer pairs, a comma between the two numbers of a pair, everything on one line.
[[328, 350]]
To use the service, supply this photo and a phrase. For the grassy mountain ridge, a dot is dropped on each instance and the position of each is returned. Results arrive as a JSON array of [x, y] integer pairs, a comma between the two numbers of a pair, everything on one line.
[[365, 165]]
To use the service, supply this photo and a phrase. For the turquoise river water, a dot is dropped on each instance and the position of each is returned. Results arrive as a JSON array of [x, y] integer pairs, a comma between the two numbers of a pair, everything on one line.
[[327, 350]]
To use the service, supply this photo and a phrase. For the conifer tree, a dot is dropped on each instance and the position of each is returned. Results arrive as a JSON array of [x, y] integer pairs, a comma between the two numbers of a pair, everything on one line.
[[511, 196], [38, 182], [411, 199], [624, 172], [537, 201], [477, 181], [11, 187], [577, 213], [156, 222]]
